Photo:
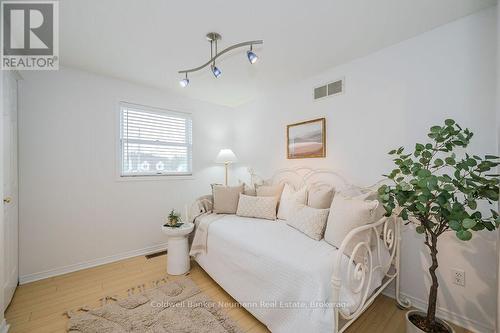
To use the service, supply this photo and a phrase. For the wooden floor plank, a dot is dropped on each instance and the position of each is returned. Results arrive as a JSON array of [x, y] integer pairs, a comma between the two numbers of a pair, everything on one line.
[[38, 307]]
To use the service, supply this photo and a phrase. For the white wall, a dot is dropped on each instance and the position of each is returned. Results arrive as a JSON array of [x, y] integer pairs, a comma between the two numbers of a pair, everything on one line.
[[392, 97], [73, 209], [2, 269], [498, 150]]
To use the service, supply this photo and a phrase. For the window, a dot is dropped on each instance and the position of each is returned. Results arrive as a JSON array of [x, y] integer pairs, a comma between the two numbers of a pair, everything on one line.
[[154, 141]]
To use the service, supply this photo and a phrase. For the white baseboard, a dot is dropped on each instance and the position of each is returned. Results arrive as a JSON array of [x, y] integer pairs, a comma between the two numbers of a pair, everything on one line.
[[88, 264], [4, 328], [452, 317]]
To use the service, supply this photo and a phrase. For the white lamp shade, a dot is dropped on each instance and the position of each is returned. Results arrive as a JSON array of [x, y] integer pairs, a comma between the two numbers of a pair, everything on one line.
[[226, 156]]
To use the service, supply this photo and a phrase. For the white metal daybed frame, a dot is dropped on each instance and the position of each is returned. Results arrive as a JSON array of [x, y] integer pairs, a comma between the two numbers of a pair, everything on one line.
[[385, 232]]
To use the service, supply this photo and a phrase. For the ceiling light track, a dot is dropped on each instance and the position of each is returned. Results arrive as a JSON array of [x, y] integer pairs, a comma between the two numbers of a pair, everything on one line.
[[213, 38]]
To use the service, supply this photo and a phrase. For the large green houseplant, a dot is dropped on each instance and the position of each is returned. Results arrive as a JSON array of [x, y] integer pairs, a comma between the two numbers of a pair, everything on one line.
[[439, 192]]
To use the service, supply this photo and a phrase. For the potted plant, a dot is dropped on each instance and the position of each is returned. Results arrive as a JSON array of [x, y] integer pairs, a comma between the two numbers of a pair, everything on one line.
[[439, 192], [174, 219]]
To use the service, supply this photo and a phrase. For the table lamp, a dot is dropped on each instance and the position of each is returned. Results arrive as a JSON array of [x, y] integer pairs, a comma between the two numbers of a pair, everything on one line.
[[226, 157]]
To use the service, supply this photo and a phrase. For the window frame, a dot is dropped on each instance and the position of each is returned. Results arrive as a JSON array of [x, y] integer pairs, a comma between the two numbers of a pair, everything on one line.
[[119, 144]]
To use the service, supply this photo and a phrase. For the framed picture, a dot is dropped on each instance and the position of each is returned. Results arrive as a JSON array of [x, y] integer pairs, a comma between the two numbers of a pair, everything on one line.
[[306, 139]]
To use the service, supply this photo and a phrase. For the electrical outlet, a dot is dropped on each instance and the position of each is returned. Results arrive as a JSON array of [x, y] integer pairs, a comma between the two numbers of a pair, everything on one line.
[[458, 277]]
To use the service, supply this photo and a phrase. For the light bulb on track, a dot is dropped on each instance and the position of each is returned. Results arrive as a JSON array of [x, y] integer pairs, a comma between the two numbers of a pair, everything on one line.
[[184, 82], [216, 71], [252, 57]]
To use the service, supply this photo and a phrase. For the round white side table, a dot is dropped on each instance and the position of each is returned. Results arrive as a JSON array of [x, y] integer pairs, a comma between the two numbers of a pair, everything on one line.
[[178, 248]]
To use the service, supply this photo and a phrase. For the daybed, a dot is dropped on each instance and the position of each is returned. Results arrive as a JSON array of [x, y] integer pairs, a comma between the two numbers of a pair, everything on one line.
[[293, 283]]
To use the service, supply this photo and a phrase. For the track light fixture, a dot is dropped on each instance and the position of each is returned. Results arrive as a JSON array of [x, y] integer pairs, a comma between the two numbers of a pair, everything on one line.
[[213, 38], [252, 57], [184, 82], [216, 71]]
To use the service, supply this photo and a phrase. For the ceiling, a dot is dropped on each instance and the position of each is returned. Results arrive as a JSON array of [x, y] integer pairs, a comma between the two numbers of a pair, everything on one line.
[[147, 42]]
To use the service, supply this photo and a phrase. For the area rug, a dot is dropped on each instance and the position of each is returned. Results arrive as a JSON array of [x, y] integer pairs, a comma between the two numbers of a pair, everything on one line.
[[177, 306]]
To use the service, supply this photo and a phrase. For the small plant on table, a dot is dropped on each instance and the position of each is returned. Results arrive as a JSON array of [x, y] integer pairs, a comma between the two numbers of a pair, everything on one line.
[[174, 219]]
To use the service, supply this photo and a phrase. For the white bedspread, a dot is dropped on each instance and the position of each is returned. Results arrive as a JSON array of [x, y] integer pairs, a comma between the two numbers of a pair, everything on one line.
[[276, 272]]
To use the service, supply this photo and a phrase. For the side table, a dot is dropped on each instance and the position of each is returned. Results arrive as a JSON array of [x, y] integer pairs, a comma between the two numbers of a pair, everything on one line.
[[178, 248]]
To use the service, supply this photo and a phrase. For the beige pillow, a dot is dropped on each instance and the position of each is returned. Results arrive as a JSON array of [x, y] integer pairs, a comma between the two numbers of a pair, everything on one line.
[[249, 190], [289, 200], [226, 198], [320, 197], [345, 215], [269, 190], [259, 207], [310, 221]]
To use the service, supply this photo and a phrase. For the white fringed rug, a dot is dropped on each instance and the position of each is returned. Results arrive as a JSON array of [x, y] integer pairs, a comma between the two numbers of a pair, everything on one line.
[[177, 306]]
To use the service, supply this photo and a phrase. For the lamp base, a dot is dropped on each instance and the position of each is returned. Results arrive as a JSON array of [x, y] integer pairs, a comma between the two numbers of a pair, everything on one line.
[[225, 176]]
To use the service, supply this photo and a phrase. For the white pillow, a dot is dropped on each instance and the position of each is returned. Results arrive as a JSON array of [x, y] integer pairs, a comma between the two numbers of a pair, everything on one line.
[[310, 221], [345, 215], [260, 207], [290, 199]]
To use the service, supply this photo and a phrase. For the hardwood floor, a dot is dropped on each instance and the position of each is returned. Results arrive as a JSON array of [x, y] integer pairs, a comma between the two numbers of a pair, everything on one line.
[[39, 307]]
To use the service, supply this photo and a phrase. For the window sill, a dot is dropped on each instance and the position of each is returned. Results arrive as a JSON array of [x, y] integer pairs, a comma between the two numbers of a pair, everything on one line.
[[154, 178]]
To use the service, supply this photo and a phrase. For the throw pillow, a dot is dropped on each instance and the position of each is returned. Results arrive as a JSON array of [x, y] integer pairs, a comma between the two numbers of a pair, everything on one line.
[[345, 215], [269, 190], [320, 197], [289, 200], [249, 190], [226, 198], [310, 221], [259, 207]]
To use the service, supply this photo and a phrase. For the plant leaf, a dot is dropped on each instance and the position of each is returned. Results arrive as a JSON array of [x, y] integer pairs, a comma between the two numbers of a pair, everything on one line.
[[464, 235], [420, 229], [468, 223]]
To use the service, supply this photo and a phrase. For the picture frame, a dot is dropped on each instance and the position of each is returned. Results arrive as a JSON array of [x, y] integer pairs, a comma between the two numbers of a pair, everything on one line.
[[306, 139]]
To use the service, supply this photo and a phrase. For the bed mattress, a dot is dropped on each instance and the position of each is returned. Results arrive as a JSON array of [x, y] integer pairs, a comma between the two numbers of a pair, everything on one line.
[[277, 273]]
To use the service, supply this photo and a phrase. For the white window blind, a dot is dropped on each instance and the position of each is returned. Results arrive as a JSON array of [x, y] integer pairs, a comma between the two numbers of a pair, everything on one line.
[[154, 141]]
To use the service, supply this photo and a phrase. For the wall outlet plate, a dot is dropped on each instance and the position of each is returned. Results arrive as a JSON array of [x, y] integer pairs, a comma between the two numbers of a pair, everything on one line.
[[458, 276]]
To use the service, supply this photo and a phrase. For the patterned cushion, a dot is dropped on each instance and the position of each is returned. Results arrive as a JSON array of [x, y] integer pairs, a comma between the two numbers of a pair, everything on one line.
[[290, 199], [260, 207], [310, 221], [226, 198]]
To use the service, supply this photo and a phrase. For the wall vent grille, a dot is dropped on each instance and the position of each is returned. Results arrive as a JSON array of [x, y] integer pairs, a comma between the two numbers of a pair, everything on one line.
[[329, 89]]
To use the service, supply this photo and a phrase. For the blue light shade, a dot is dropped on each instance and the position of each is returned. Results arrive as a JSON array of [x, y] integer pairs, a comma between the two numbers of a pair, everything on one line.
[[252, 57], [184, 82], [217, 72]]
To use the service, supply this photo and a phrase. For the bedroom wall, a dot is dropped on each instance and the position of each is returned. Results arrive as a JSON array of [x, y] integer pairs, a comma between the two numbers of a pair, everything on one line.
[[391, 98], [498, 151], [3, 327], [74, 212]]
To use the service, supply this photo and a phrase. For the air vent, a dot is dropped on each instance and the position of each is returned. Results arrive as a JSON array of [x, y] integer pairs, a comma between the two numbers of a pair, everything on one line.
[[330, 89], [320, 92]]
